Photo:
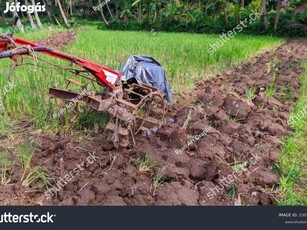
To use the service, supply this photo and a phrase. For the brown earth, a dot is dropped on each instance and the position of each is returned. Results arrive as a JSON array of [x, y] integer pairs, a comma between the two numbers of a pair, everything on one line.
[[59, 40], [236, 139]]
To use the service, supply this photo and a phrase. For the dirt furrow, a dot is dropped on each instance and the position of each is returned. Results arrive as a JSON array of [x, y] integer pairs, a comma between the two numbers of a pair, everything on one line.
[[59, 40]]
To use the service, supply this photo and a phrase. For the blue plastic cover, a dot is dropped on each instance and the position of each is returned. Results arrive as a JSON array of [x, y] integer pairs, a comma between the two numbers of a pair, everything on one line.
[[147, 70]]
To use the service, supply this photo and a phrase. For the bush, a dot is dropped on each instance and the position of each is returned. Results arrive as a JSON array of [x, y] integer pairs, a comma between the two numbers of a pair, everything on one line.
[[290, 24]]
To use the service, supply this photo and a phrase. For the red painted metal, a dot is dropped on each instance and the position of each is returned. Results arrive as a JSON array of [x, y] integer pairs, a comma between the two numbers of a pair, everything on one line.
[[104, 75], [3, 44]]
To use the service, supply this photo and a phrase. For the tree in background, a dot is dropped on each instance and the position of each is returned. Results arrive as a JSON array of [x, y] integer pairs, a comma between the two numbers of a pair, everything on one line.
[[243, 3], [50, 12], [58, 3], [265, 15], [32, 24], [279, 3], [18, 24], [38, 21], [102, 15], [2, 17]]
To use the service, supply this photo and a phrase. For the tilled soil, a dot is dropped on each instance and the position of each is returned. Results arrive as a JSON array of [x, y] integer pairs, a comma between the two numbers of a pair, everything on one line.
[[220, 149], [59, 40]]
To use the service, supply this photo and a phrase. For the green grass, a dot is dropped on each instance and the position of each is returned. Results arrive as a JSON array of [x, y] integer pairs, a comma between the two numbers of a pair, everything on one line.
[[293, 162], [30, 34]]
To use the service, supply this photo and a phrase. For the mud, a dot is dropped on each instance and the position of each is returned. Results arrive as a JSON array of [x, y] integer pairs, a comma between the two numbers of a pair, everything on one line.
[[241, 143]]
